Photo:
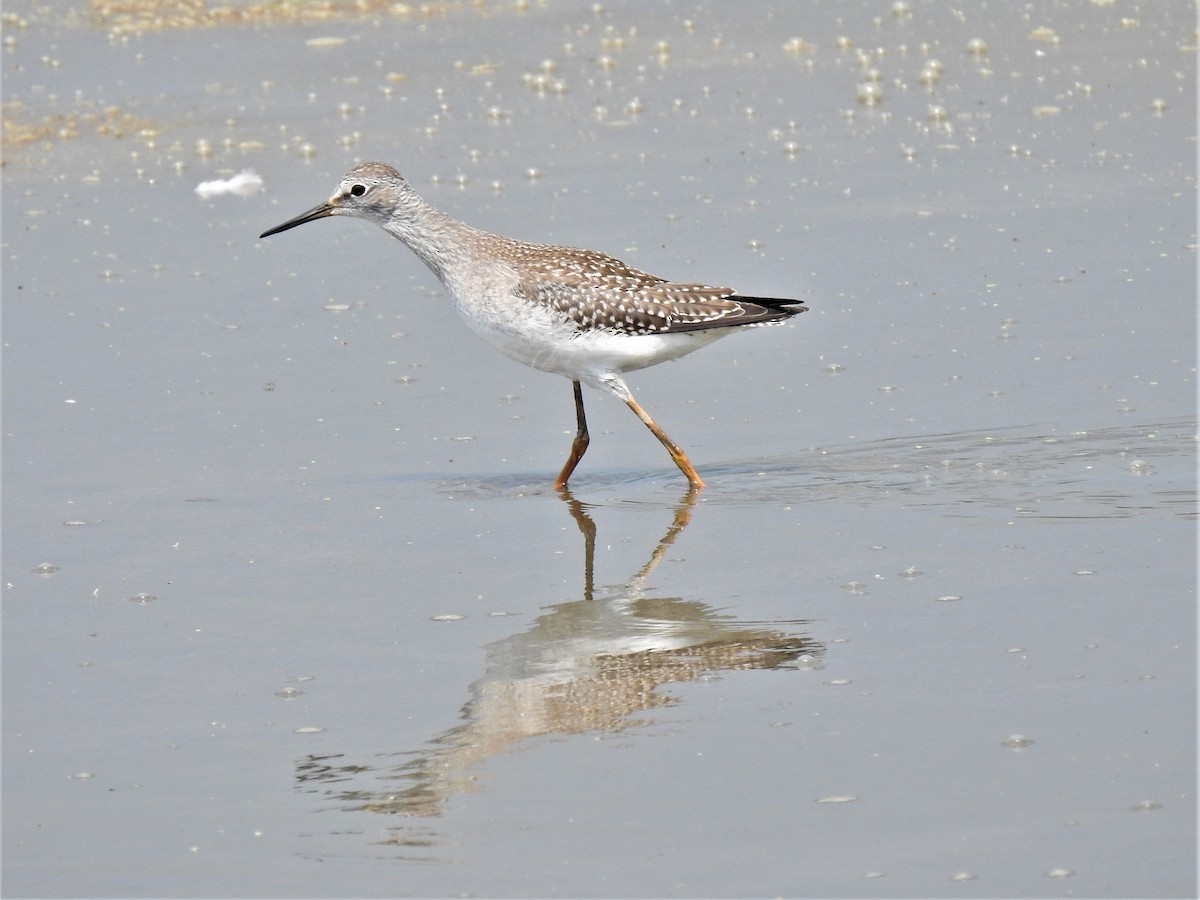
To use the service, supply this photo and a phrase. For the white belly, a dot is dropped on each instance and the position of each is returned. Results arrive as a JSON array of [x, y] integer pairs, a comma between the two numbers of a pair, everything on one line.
[[591, 356]]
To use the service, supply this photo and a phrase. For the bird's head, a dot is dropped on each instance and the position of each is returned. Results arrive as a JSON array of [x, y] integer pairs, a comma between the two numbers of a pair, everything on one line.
[[372, 191]]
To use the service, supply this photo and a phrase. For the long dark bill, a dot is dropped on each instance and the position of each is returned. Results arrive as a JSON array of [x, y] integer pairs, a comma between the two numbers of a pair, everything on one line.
[[317, 212]]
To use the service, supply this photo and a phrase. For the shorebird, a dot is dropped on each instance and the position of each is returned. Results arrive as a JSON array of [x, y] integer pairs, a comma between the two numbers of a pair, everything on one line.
[[577, 313]]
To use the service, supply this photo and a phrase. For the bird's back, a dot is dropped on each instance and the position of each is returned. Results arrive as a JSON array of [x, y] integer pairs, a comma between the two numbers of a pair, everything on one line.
[[592, 290]]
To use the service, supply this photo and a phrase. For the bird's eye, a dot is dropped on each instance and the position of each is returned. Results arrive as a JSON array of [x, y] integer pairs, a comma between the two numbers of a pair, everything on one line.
[[358, 190]]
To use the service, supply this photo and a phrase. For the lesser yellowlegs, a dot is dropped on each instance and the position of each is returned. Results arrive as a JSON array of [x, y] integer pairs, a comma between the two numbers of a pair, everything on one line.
[[578, 313]]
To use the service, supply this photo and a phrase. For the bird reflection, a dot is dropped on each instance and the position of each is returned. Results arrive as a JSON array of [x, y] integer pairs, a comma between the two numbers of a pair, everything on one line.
[[587, 527], [585, 665]]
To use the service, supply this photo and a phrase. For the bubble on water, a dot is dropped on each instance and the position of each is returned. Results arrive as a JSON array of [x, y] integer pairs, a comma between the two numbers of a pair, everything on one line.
[[448, 617], [289, 693], [1145, 806], [963, 876], [544, 84], [82, 776], [1158, 105], [977, 47], [911, 572], [44, 569], [308, 729], [1060, 872], [143, 598], [1140, 467], [869, 94], [1017, 742], [948, 598], [838, 798]]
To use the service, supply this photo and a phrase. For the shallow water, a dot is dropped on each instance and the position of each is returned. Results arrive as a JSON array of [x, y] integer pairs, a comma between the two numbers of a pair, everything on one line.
[[291, 609]]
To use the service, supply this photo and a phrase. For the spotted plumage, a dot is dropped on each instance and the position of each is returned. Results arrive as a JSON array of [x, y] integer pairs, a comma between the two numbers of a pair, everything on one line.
[[577, 313], [594, 290]]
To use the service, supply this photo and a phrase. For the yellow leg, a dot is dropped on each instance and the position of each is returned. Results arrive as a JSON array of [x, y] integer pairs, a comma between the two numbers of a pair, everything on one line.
[[677, 454], [579, 445]]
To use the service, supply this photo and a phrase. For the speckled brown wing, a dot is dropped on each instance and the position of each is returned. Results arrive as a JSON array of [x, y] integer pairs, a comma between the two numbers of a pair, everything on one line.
[[596, 291]]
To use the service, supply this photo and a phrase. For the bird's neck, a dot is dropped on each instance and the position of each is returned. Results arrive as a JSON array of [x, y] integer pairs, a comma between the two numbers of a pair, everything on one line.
[[436, 238]]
